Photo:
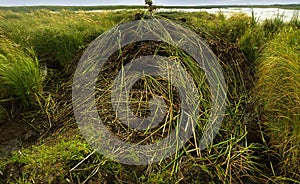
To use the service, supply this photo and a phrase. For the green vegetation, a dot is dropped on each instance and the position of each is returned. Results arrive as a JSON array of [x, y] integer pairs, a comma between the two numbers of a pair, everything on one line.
[[256, 37], [20, 77], [131, 7], [259, 140], [277, 90], [57, 39], [48, 162], [70, 8]]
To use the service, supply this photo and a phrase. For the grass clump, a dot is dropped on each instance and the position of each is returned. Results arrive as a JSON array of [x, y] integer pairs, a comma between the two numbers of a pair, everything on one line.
[[252, 42], [20, 78], [255, 37], [272, 26], [234, 27], [278, 94], [230, 29]]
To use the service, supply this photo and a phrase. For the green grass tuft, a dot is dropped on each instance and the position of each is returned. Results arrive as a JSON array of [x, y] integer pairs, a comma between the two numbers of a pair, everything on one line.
[[19, 74], [278, 94]]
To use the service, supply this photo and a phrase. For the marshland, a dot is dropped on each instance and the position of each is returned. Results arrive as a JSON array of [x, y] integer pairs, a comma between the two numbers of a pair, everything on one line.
[[40, 142]]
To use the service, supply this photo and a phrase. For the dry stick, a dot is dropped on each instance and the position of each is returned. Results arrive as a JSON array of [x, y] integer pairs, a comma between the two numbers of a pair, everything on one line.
[[91, 175], [82, 161]]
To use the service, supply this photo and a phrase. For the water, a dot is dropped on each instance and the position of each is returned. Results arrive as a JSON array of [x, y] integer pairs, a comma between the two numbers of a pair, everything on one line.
[[259, 13]]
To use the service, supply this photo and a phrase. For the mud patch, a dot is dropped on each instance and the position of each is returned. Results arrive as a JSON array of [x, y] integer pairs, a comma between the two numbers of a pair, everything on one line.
[[12, 170], [14, 136]]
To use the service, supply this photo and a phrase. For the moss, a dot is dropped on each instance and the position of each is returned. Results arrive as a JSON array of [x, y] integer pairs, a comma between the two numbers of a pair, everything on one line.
[[48, 162]]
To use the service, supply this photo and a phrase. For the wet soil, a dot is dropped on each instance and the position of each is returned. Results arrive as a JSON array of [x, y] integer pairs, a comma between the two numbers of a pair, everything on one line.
[[14, 136]]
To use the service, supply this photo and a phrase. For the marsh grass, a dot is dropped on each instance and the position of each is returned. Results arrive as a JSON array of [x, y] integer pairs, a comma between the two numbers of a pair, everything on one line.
[[228, 28], [259, 33], [278, 95], [58, 38], [19, 74]]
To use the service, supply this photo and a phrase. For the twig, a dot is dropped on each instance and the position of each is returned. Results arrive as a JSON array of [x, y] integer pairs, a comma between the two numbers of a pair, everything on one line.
[[82, 161]]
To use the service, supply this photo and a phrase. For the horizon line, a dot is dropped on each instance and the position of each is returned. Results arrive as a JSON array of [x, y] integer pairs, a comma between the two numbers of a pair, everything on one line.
[[202, 5]]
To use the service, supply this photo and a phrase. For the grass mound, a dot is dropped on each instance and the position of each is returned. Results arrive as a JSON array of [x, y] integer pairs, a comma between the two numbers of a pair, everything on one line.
[[20, 78], [278, 93], [239, 80]]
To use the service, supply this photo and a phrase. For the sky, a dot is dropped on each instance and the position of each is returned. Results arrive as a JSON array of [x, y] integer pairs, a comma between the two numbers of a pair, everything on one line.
[[141, 2]]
